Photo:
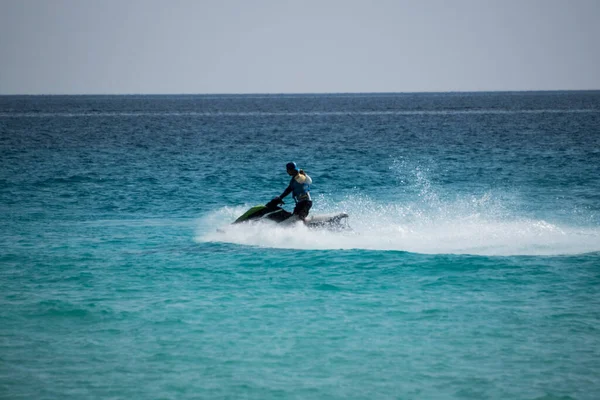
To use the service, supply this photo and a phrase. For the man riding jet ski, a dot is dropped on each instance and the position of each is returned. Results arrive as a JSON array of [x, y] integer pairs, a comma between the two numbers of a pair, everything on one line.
[[300, 188]]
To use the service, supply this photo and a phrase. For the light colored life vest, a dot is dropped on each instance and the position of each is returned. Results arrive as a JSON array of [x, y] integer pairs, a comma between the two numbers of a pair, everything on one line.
[[301, 187]]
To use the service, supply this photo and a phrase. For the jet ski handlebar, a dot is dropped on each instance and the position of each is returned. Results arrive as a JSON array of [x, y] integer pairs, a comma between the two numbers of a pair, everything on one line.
[[275, 202]]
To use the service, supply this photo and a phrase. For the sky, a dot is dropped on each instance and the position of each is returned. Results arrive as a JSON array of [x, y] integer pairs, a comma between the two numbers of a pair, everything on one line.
[[308, 46]]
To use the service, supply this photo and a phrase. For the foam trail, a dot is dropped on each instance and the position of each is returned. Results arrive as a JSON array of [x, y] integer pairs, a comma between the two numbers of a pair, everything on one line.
[[461, 227]]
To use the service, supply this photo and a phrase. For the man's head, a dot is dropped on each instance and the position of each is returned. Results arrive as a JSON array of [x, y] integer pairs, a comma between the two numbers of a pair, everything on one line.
[[291, 168]]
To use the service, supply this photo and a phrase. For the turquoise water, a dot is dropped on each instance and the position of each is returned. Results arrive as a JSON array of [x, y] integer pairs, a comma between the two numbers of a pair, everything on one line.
[[472, 269]]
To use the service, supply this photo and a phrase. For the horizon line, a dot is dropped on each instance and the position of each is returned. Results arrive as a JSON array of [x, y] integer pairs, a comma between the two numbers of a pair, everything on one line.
[[301, 93]]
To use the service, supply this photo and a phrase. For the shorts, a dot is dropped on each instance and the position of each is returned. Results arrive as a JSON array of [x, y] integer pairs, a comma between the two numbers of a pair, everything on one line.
[[302, 208]]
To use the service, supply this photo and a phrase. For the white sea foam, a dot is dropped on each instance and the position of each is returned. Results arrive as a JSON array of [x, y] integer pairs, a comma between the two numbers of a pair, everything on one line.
[[474, 226]]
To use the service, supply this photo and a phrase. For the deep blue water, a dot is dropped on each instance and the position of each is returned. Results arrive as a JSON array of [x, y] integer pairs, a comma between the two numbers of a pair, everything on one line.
[[472, 269]]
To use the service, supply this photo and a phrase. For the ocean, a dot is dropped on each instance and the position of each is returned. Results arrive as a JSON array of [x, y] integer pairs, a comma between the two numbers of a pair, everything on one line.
[[471, 269]]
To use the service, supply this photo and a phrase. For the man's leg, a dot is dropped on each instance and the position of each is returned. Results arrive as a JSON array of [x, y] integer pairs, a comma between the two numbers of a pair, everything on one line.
[[302, 209]]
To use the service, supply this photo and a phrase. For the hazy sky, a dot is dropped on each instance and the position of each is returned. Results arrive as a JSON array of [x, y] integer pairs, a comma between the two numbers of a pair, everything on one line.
[[253, 46]]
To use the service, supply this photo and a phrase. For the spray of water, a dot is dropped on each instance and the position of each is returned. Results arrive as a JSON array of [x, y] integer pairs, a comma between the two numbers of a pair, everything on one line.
[[480, 225], [403, 228]]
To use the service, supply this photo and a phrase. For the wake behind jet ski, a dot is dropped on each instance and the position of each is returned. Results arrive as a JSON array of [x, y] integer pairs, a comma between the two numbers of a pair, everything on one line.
[[272, 211]]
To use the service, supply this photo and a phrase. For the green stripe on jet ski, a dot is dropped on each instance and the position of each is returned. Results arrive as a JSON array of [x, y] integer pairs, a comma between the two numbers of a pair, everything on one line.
[[249, 213]]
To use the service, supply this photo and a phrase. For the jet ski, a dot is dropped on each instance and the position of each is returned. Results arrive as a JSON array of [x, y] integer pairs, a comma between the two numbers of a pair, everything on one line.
[[272, 211]]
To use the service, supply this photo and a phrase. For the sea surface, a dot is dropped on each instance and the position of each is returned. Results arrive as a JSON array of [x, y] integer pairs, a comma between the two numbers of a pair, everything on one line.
[[471, 269]]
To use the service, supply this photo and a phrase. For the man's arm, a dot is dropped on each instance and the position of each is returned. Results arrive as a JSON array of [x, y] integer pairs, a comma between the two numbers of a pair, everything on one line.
[[287, 191]]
